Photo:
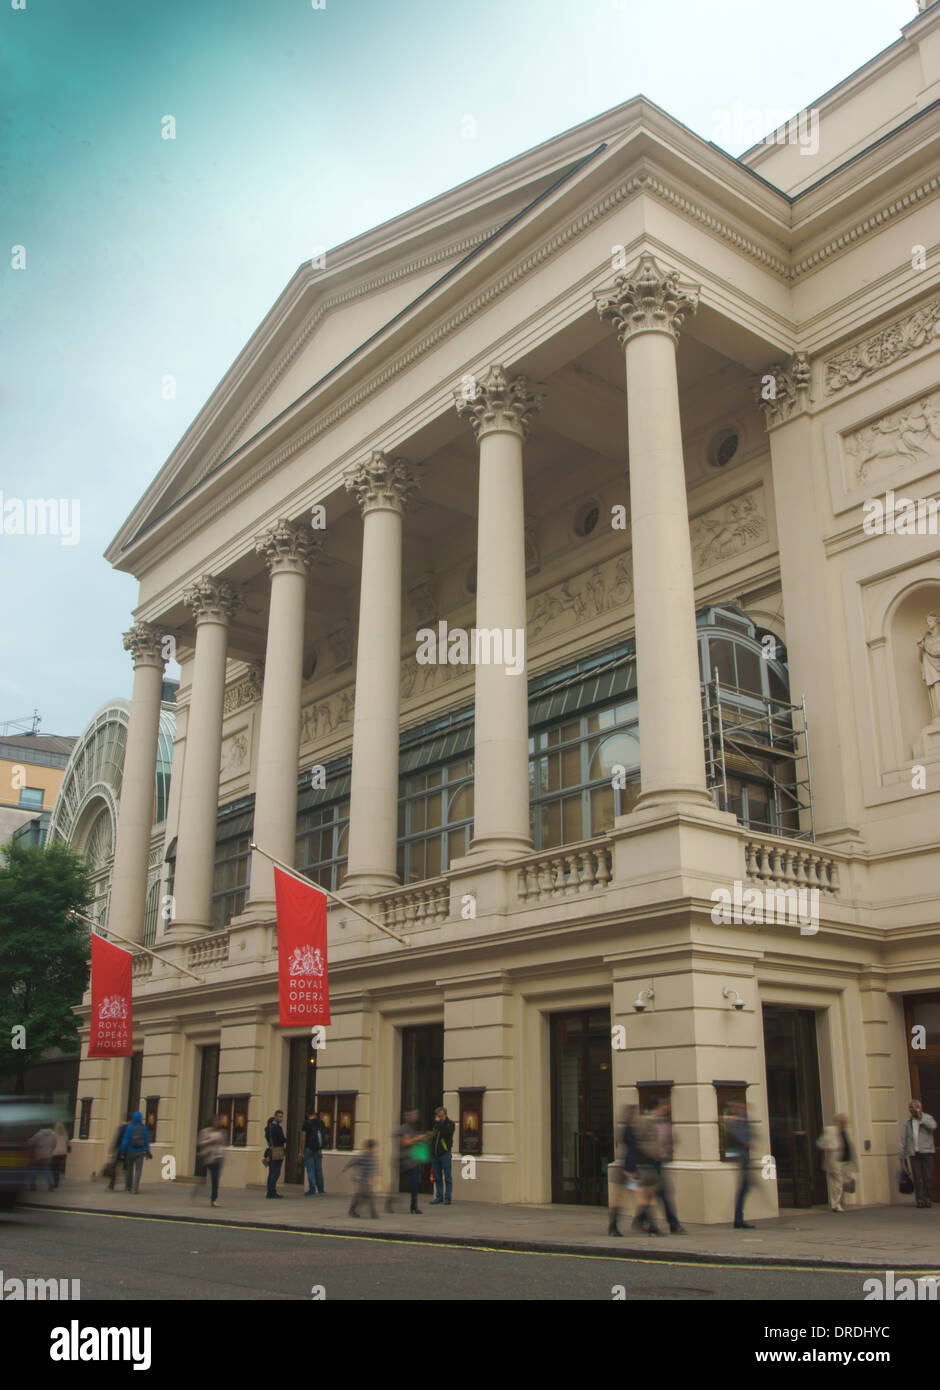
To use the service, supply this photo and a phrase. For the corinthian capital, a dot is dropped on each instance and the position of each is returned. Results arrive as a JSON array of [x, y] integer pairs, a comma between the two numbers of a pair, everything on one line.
[[288, 545], [782, 392], [212, 600], [493, 401], [383, 482], [647, 299], [145, 642]]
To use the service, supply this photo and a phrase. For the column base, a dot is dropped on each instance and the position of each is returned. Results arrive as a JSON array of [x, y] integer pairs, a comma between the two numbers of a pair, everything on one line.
[[673, 796], [256, 914], [184, 931], [497, 848], [368, 885]]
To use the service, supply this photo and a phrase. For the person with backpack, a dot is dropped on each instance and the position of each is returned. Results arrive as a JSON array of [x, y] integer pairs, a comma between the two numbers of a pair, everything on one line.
[[313, 1141], [274, 1154], [442, 1145], [135, 1147]]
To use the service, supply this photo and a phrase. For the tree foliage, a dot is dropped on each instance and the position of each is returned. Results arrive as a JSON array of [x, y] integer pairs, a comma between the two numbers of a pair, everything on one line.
[[44, 953]]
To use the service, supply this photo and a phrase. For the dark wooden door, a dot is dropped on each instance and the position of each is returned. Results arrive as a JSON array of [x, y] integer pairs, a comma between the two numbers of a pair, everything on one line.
[[301, 1098], [582, 1106], [794, 1105], [422, 1081], [922, 1012], [208, 1097]]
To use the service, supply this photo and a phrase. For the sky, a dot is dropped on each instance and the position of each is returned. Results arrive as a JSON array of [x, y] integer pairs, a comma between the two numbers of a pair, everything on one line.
[[127, 258]]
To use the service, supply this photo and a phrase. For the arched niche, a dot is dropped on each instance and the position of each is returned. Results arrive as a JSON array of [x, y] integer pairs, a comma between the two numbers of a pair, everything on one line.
[[907, 623]]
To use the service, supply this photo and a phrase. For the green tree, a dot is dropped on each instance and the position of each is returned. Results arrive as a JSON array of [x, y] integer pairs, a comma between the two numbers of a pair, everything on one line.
[[44, 953]]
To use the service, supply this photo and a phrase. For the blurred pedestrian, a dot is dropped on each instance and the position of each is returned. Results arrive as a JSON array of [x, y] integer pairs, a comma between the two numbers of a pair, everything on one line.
[[135, 1147], [210, 1150], [408, 1164], [649, 1154], [314, 1138], [738, 1139], [41, 1150], [367, 1166], [838, 1161], [622, 1174], [115, 1160], [917, 1150], [277, 1145], [442, 1145], [662, 1118], [62, 1150]]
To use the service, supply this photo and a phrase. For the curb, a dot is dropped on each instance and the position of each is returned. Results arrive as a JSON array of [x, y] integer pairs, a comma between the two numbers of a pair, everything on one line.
[[674, 1255]]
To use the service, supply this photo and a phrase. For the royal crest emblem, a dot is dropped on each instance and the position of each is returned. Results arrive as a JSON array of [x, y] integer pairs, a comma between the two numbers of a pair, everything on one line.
[[112, 1006], [306, 960]]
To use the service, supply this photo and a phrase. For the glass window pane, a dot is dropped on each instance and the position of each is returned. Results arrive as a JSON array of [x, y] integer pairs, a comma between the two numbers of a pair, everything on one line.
[[721, 653], [602, 810], [779, 689], [461, 805], [571, 766], [620, 749], [572, 819], [433, 861], [418, 816], [749, 670], [434, 811], [550, 821]]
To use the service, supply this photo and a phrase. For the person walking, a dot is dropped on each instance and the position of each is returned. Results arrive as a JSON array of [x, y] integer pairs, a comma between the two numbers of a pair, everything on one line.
[[135, 1147], [62, 1149], [649, 1155], [277, 1145], [738, 1139], [114, 1159], [41, 1150], [210, 1150], [408, 1164], [366, 1165], [838, 1161], [917, 1150], [662, 1118], [314, 1138], [623, 1178], [442, 1145]]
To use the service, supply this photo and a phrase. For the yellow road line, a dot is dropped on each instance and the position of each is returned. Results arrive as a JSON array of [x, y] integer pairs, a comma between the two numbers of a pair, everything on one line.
[[484, 1249]]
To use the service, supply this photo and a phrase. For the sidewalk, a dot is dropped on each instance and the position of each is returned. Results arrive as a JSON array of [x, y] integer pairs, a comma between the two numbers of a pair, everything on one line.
[[891, 1237]]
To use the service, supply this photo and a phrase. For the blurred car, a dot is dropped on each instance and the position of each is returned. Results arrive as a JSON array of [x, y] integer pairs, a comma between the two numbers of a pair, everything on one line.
[[20, 1118]]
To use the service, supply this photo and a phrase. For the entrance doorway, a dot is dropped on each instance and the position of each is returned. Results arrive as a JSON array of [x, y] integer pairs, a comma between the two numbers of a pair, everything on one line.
[[582, 1106], [208, 1097], [923, 1011], [422, 1081], [794, 1104], [301, 1098]]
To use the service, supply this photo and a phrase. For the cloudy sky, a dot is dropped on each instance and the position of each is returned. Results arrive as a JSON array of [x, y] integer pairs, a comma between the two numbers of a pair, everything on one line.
[[295, 127]]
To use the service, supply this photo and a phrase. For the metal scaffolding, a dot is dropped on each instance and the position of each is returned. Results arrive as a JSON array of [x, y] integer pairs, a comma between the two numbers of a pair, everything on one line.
[[760, 741]]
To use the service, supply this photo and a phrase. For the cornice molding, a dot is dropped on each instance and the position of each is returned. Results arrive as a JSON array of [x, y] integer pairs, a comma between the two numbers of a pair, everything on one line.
[[885, 213]]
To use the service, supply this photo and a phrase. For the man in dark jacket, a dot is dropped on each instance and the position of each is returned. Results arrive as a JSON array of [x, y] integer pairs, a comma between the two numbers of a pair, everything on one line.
[[313, 1138], [276, 1141], [135, 1147], [442, 1147]]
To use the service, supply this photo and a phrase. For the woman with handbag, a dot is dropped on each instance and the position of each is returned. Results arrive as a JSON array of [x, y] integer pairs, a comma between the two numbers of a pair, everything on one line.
[[838, 1161]]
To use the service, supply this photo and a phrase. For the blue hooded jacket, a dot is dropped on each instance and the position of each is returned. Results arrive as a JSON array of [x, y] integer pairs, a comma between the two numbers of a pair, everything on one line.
[[126, 1146]]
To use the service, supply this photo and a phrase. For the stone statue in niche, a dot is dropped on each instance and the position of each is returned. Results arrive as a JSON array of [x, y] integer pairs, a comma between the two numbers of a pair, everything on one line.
[[929, 648]]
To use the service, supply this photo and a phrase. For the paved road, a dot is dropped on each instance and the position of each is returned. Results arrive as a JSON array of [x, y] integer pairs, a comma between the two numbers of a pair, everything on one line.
[[125, 1257]]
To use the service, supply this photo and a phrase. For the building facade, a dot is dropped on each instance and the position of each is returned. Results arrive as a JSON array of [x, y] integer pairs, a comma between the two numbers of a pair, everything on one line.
[[524, 577], [32, 766]]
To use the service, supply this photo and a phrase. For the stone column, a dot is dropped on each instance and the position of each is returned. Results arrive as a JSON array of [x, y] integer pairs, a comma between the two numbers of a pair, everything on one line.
[[648, 307], [213, 603], [135, 818], [287, 548], [500, 410], [382, 486]]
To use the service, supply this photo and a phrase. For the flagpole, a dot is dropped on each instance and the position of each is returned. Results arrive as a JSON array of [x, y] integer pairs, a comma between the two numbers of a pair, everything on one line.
[[201, 979], [402, 940]]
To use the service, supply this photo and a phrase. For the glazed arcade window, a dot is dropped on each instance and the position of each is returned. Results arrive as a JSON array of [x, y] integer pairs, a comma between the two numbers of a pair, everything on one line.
[[323, 843], [583, 772], [230, 879], [435, 819]]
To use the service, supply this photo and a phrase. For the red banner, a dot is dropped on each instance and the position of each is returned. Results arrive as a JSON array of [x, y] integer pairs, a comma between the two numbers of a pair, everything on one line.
[[303, 991], [112, 1032]]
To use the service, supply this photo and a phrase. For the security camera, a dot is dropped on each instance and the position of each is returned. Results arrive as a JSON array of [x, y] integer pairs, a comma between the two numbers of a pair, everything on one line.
[[736, 1001], [639, 1002]]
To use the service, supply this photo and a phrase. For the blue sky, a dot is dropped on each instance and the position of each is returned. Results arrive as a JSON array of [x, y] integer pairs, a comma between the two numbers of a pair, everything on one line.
[[295, 127]]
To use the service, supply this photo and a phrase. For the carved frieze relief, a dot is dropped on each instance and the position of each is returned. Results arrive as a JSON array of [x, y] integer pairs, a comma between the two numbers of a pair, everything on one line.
[[898, 340], [728, 529], [323, 718], [908, 435], [246, 691]]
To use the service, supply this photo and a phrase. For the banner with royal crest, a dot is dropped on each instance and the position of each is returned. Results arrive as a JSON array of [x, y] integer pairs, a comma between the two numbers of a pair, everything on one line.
[[112, 1028], [303, 992]]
